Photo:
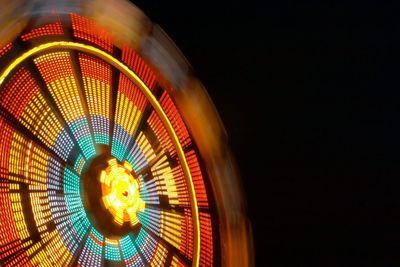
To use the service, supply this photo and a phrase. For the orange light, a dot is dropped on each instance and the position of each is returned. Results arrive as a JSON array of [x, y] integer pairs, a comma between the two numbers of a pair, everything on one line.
[[121, 193], [173, 144]]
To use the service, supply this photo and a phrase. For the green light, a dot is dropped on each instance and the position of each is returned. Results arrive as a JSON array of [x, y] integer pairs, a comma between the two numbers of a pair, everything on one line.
[[73, 200], [127, 247], [80, 130], [118, 149], [112, 252], [100, 138]]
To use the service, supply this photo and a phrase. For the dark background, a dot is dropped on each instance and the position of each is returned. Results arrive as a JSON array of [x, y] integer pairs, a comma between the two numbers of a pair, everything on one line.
[[312, 116]]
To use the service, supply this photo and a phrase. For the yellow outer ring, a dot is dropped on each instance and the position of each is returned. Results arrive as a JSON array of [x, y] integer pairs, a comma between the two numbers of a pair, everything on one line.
[[153, 101]]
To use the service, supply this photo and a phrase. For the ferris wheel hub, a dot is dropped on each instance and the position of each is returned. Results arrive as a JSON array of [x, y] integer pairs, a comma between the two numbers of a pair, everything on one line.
[[120, 193]]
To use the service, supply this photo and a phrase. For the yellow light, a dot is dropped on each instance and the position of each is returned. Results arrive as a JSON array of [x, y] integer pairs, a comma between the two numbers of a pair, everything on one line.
[[127, 166], [153, 101], [121, 193]]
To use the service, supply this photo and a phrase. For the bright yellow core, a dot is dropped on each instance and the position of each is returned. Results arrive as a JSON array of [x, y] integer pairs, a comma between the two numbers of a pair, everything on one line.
[[121, 193]]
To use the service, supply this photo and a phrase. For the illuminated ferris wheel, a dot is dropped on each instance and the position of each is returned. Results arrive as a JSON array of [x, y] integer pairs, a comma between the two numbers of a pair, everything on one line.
[[111, 152]]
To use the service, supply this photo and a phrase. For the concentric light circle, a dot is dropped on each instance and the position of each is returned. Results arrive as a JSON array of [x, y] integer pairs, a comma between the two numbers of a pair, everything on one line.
[[106, 152]]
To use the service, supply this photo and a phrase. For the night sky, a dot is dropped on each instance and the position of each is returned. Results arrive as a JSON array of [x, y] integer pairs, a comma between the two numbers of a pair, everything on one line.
[[312, 117]]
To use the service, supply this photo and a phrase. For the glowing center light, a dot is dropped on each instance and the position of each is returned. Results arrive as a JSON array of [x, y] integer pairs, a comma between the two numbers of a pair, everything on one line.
[[121, 193]]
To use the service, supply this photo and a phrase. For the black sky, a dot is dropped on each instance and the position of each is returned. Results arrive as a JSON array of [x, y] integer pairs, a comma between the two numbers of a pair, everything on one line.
[[312, 116]]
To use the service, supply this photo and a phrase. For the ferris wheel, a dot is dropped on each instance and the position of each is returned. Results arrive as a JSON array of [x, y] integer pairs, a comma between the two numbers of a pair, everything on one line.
[[111, 151]]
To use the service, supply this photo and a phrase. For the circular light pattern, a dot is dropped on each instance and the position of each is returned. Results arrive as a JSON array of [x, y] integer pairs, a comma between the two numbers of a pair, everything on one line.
[[121, 193], [102, 160], [73, 94]]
